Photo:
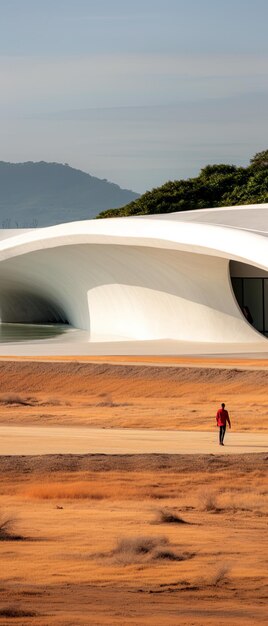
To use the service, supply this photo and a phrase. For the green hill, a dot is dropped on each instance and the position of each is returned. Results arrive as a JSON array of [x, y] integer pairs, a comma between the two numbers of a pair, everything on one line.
[[42, 194], [216, 185]]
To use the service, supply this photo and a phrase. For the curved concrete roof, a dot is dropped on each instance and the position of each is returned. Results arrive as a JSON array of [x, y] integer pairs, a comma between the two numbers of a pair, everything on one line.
[[149, 278], [250, 217]]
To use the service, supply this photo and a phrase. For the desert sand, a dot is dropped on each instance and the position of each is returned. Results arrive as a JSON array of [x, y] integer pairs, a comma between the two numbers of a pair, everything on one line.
[[182, 395], [136, 539]]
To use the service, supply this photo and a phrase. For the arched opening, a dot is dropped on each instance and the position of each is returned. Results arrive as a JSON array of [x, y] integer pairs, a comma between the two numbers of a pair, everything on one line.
[[250, 286], [25, 307], [27, 316]]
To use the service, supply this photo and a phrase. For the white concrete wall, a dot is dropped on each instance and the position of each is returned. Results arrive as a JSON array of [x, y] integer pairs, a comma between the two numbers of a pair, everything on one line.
[[132, 292], [139, 278]]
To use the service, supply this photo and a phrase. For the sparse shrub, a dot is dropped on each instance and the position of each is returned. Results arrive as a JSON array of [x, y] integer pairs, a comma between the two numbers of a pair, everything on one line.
[[165, 516], [15, 398], [209, 501], [106, 404], [169, 555], [6, 532], [12, 611], [138, 545], [220, 574], [245, 501], [107, 400], [147, 549]]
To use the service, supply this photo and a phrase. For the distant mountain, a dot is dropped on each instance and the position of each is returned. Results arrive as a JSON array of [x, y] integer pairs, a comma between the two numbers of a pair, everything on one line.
[[42, 194]]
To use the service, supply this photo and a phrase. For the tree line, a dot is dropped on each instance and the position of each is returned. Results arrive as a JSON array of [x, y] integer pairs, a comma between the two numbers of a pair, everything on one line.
[[215, 186]]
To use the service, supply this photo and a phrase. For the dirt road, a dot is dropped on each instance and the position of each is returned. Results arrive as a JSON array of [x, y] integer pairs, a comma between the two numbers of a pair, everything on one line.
[[34, 440]]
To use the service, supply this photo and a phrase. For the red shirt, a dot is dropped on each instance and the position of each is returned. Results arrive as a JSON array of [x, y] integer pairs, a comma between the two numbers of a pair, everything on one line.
[[222, 417]]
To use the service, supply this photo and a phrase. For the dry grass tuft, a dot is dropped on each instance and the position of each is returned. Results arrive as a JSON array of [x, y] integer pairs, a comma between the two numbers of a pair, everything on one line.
[[235, 501], [13, 612], [220, 575], [69, 491], [53, 401], [106, 404], [139, 545], [15, 398], [107, 400], [10, 399], [98, 487], [6, 532], [245, 501], [147, 549], [169, 555], [165, 516], [209, 501]]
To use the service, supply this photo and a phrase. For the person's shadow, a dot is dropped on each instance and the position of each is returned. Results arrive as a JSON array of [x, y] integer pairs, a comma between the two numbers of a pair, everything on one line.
[[234, 445]]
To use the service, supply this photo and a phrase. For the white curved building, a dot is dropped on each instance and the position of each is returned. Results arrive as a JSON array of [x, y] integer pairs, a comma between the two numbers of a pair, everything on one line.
[[172, 283]]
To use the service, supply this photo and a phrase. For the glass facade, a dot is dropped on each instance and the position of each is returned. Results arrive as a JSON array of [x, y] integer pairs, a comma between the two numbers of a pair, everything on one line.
[[252, 297]]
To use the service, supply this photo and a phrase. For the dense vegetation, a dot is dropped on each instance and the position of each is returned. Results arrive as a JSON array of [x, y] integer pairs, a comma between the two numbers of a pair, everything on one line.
[[216, 185]]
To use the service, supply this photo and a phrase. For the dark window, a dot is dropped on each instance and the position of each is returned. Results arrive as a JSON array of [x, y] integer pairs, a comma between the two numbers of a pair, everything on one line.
[[252, 297], [265, 298], [238, 289]]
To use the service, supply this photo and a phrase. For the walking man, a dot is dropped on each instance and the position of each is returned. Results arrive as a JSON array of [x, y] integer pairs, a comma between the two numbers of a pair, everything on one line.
[[221, 418]]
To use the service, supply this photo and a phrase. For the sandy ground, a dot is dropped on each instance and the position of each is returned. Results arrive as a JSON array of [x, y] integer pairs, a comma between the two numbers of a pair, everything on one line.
[[174, 395], [134, 540], [140, 540], [20, 440]]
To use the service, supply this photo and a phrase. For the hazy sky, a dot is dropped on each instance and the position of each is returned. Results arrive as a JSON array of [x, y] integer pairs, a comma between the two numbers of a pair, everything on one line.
[[137, 92]]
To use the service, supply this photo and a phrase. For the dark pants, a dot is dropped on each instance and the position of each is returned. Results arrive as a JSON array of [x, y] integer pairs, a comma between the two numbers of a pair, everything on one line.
[[222, 433]]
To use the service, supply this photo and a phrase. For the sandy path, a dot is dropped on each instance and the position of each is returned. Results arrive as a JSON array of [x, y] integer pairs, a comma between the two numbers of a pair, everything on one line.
[[34, 440]]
